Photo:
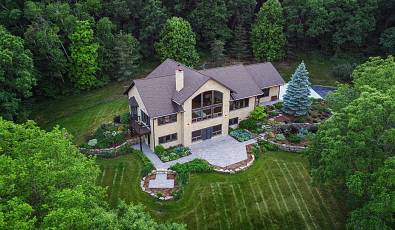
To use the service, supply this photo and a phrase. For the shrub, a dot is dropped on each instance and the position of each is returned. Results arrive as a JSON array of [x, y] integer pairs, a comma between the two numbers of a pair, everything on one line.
[[278, 105], [280, 137], [259, 113], [183, 171], [294, 138], [147, 164], [125, 118], [267, 146], [117, 119], [342, 72], [92, 142], [256, 150], [249, 124], [160, 150], [196, 165], [240, 135]]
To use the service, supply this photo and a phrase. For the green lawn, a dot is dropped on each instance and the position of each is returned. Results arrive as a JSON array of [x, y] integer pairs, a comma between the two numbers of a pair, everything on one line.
[[82, 114], [275, 193]]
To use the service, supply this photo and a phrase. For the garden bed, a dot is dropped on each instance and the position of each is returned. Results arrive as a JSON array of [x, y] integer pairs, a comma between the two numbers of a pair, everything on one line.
[[172, 153], [241, 135], [318, 113]]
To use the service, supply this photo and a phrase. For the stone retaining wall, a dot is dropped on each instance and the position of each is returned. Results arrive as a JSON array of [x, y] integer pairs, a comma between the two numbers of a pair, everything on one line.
[[284, 147], [97, 152]]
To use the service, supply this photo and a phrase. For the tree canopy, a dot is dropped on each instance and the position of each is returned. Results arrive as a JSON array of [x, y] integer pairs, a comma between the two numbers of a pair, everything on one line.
[[268, 38], [46, 182], [177, 41], [353, 152], [16, 75]]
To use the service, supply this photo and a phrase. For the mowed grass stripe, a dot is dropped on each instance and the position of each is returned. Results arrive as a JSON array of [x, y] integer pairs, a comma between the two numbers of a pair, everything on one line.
[[274, 194], [263, 201], [203, 211], [261, 216], [217, 209], [244, 206], [316, 200], [321, 199], [223, 204], [299, 193], [294, 198], [237, 203]]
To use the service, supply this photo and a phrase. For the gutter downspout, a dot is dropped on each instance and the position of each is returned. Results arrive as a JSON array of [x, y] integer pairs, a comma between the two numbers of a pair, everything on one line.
[[153, 131]]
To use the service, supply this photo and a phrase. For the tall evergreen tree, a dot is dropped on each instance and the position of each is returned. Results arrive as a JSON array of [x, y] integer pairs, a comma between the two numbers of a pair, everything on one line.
[[126, 55], [153, 18], [239, 46], [104, 35], [296, 98], [84, 56], [209, 21], [177, 41], [268, 39], [217, 52]]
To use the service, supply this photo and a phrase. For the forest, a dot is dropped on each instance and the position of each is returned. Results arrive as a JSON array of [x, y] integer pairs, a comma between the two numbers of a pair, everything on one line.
[[51, 49], [64, 47]]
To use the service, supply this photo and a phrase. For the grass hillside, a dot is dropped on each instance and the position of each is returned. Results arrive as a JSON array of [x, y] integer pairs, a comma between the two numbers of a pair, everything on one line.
[[275, 193]]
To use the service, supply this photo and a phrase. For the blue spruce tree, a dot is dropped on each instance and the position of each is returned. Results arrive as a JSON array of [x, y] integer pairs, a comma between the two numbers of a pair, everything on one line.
[[296, 98]]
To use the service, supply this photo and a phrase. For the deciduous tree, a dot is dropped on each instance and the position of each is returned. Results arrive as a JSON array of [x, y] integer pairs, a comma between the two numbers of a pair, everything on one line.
[[84, 56], [177, 41], [268, 39], [16, 75]]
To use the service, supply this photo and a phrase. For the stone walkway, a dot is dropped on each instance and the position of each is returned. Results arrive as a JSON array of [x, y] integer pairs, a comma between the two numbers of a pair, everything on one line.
[[161, 181], [220, 151]]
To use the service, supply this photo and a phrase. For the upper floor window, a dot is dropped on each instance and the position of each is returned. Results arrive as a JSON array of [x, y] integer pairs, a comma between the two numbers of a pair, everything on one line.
[[145, 118], [206, 99], [167, 119], [207, 105], [239, 104], [266, 92]]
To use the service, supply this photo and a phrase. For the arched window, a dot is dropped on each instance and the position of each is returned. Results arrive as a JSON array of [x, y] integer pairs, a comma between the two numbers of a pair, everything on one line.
[[207, 105]]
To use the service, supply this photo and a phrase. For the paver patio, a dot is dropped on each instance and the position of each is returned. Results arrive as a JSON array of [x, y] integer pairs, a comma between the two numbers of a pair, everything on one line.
[[161, 181], [220, 151]]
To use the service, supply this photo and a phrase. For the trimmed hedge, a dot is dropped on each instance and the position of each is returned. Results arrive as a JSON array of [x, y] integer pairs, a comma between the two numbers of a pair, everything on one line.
[[183, 171], [147, 164]]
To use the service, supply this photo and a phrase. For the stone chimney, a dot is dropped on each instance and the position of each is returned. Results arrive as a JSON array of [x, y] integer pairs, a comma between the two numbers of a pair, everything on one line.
[[179, 78]]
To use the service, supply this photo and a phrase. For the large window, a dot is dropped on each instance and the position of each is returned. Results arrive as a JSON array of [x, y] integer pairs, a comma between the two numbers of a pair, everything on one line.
[[145, 118], [239, 104], [168, 138], [207, 105], [167, 119]]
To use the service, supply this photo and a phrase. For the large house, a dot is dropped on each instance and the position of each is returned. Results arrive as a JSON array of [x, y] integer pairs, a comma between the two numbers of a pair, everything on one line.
[[177, 105]]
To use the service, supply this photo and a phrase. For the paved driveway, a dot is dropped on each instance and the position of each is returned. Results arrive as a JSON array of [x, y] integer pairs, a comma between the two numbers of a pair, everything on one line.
[[221, 151]]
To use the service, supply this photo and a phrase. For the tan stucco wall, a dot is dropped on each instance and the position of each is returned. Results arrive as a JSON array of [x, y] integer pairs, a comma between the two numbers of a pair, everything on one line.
[[163, 130], [274, 91], [188, 126], [133, 92], [244, 112]]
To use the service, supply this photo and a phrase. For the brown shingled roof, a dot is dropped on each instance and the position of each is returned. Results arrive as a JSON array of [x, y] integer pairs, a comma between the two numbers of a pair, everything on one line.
[[160, 98]]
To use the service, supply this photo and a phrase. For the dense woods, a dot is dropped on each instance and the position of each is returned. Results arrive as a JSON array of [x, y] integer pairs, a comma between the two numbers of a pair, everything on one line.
[[53, 48], [116, 36]]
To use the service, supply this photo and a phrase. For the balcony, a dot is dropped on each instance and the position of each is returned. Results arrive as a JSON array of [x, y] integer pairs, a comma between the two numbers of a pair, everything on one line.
[[138, 127]]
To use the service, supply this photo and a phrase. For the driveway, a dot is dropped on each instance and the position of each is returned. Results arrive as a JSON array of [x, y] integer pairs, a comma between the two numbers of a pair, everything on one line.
[[220, 151]]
